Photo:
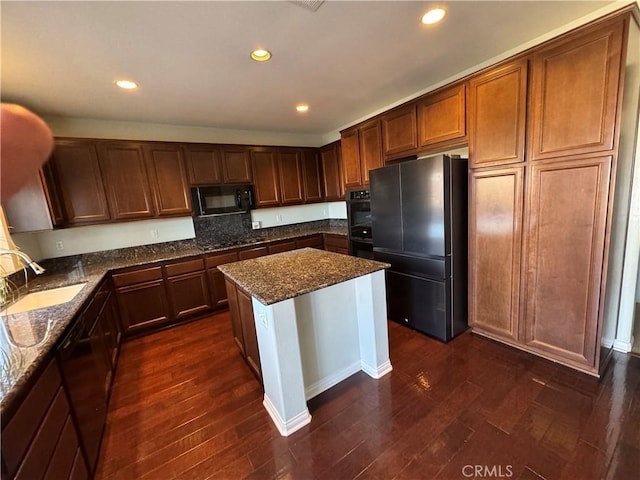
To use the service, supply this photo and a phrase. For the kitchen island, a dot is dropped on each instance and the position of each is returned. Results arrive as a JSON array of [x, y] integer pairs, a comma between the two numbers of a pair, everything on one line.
[[319, 317]]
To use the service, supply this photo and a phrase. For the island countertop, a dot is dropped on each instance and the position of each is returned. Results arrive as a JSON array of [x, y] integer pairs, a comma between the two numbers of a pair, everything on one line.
[[278, 277]]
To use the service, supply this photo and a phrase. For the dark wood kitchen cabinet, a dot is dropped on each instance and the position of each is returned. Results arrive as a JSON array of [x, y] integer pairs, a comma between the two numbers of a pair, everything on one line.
[[330, 162], [204, 164], [336, 243], [400, 132], [37, 205], [142, 299], [217, 287], [80, 179], [209, 164], [575, 93], [243, 326], [236, 164], [290, 178], [125, 174], [312, 241], [234, 313], [496, 112], [282, 246], [441, 118], [254, 252], [39, 439], [251, 352], [311, 176], [495, 236], [264, 162], [188, 289], [361, 151], [168, 179]]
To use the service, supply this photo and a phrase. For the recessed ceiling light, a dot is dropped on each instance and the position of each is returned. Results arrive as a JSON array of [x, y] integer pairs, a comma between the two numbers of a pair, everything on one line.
[[302, 107], [126, 84], [433, 16], [261, 55]]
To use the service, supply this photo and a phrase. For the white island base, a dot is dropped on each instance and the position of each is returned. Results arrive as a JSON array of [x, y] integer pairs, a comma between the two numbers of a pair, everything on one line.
[[311, 342]]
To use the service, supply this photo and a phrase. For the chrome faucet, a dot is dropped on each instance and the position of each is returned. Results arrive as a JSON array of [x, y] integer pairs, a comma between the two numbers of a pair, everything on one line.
[[25, 258]]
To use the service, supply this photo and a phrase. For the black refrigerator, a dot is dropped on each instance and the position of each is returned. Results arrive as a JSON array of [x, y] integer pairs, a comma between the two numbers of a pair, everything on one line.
[[419, 225]]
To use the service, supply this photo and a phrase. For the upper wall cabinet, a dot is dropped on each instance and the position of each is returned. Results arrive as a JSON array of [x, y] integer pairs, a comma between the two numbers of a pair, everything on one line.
[[203, 164], [265, 171], [311, 176], [370, 148], [400, 131], [575, 88], [330, 163], [125, 175], [290, 176], [236, 164], [36, 206], [168, 179], [361, 152], [496, 110], [351, 169], [81, 183], [441, 118]]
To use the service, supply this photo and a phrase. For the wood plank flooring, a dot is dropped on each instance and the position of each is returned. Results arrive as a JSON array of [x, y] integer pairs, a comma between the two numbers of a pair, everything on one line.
[[185, 406]]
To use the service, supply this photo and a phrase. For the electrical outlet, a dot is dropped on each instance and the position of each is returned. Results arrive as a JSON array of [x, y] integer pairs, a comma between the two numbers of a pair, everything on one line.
[[325, 212], [59, 245], [154, 233], [255, 225], [278, 218]]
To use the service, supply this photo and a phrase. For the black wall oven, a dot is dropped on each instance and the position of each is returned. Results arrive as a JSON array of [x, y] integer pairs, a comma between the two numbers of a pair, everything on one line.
[[359, 220]]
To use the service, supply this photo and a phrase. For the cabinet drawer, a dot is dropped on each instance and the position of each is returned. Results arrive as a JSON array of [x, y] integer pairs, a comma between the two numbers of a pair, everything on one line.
[[137, 276], [21, 429], [252, 253], [282, 247], [184, 267], [220, 259], [311, 242]]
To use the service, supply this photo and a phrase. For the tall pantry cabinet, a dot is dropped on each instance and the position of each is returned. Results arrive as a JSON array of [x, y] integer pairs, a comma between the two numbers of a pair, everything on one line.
[[543, 145]]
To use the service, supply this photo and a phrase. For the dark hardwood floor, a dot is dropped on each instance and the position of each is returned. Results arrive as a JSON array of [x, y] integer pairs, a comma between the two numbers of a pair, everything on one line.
[[185, 406]]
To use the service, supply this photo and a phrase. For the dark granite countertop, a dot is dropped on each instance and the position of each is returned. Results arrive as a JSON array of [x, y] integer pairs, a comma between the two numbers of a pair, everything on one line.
[[278, 277], [27, 339]]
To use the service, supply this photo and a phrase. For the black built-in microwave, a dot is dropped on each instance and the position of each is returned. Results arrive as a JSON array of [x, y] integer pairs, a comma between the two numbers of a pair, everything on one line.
[[222, 199]]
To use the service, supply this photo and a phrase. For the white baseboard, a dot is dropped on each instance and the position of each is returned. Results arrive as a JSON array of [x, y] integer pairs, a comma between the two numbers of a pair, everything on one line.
[[606, 342], [286, 428], [624, 347], [379, 371], [326, 383]]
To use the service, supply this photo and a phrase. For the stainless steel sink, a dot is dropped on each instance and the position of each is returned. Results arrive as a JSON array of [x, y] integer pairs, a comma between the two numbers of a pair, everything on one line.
[[44, 299]]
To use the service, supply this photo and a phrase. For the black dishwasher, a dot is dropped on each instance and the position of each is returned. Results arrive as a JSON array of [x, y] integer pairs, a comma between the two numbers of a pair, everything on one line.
[[86, 371]]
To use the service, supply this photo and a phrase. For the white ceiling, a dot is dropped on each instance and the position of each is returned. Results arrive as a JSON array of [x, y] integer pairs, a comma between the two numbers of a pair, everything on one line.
[[191, 59]]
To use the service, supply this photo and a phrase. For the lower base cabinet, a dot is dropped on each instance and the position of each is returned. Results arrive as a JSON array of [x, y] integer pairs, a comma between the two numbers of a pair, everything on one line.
[[40, 438], [336, 243], [243, 326], [217, 288], [188, 288]]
